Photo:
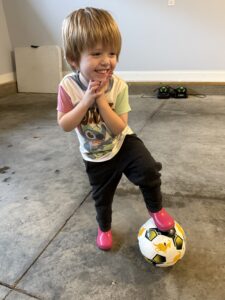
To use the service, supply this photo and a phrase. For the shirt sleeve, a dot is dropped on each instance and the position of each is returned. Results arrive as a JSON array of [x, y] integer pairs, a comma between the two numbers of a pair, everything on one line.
[[64, 103], [122, 105]]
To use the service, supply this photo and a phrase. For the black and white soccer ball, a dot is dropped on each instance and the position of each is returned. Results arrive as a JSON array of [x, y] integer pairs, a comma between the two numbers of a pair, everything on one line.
[[162, 249]]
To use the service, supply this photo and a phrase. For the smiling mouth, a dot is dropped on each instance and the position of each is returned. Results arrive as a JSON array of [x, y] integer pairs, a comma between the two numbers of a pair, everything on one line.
[[107, 73], [103, 71]]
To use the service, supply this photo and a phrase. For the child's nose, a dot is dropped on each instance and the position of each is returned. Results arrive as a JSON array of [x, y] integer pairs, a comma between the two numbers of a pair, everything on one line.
[[105, 60]]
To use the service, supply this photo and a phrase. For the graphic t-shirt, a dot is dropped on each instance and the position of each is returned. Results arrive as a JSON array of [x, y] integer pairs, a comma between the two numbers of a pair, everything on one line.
[[97, 142]]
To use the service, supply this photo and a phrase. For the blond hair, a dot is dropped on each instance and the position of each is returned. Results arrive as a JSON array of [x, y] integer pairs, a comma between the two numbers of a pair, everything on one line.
[[83, 29]]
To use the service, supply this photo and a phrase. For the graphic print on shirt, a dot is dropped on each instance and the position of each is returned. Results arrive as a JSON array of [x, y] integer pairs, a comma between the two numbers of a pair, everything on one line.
[[97, 138]]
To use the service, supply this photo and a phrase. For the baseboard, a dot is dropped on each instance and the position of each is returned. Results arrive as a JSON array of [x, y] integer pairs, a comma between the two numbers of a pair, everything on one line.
[[173, 76], [8, 84], [7, 77], [213, 77]]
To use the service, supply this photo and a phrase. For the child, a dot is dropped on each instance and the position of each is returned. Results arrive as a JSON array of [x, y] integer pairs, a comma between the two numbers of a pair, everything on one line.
[[94, 102]]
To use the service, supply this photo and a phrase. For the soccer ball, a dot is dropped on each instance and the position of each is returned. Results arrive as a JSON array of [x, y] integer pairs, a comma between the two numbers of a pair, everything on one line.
[[162, 249]]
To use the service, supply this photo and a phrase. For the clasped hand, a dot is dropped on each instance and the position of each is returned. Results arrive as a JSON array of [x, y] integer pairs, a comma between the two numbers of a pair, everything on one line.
[[95, 91]]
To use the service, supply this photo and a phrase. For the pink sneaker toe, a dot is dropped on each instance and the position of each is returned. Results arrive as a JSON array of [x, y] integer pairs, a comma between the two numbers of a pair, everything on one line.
[[104, 240], [163, 220]]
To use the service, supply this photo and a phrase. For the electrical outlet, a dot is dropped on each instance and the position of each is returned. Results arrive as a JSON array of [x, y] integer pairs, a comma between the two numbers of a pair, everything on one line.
[[171, 2]]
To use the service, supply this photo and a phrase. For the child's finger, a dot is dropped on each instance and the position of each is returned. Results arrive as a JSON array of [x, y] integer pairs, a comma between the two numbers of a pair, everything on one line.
[[95, 84]]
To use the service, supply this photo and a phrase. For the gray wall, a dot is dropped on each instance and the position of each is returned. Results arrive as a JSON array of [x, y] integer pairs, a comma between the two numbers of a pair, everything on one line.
[[5, 45], [187, 36]]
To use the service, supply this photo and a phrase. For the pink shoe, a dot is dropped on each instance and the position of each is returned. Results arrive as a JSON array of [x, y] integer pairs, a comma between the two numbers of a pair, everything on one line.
[[163, 220], [104, 239]]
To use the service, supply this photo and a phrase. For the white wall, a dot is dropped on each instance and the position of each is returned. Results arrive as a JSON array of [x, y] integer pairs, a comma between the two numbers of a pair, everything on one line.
[[6, 67], [184, 42]]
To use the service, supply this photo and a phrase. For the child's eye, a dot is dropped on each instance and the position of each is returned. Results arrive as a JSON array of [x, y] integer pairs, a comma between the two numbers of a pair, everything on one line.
[[112, 53], [96, 53]]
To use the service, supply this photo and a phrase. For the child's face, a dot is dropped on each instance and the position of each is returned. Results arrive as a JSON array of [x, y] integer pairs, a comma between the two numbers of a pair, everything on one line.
[[98, 63]]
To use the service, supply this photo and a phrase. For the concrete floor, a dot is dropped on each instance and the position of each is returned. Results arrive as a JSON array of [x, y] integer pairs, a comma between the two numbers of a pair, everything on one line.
[[47, 218]]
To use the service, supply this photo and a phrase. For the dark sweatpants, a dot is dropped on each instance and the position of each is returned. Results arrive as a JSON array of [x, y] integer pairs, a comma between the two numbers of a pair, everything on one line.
[[136, 162]]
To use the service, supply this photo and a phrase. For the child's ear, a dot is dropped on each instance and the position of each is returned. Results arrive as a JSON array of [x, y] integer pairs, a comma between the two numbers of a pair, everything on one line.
[[74, 65]]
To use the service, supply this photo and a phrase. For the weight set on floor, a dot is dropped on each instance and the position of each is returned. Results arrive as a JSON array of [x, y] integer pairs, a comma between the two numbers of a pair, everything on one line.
[[166, 92]]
